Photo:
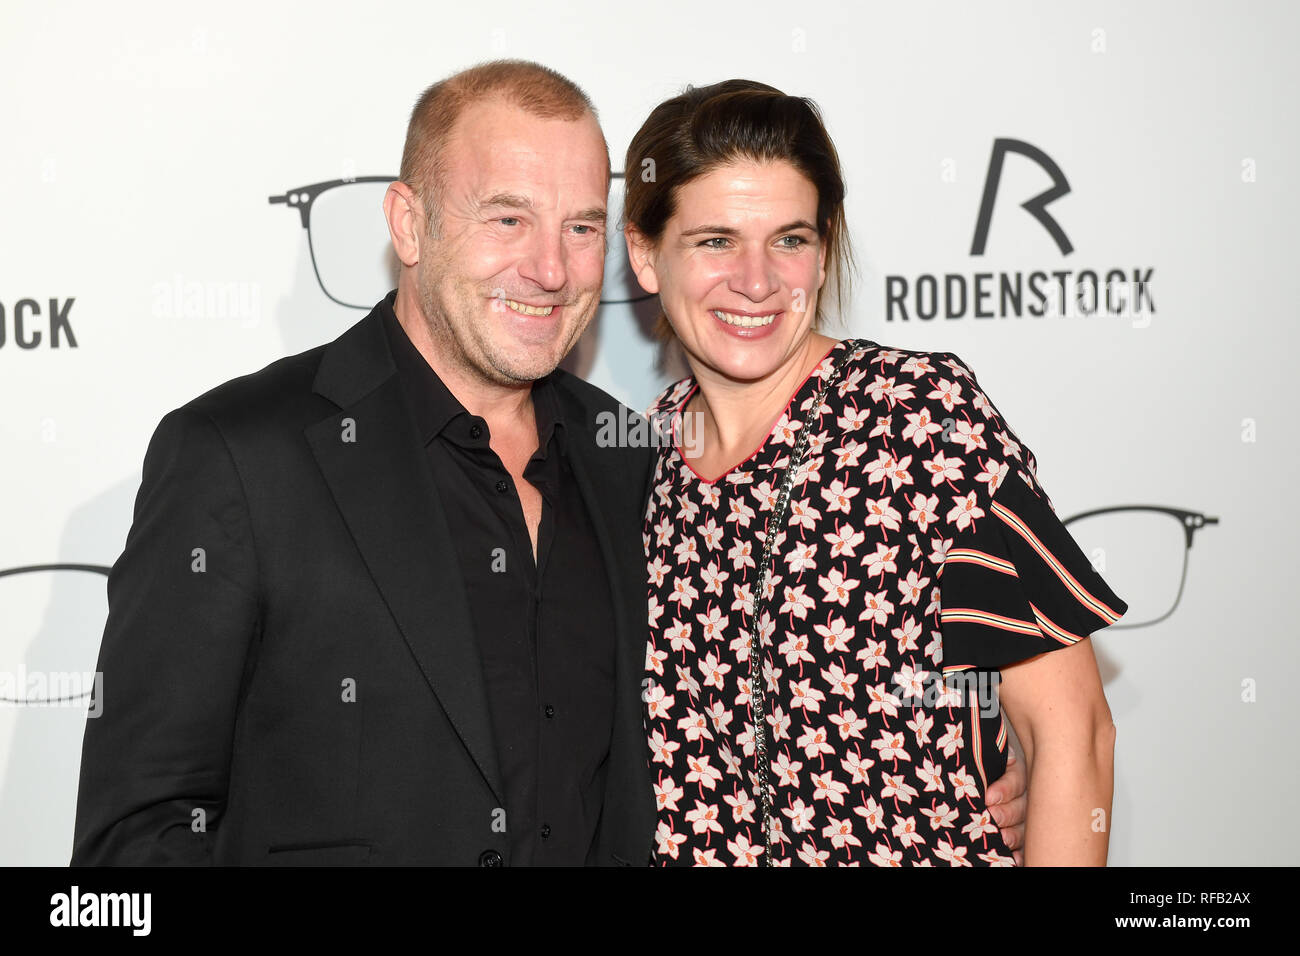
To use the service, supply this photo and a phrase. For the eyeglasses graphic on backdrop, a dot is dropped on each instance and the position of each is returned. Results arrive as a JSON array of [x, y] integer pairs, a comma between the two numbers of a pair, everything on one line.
[[67, 692], [1142, 551], [352, 255]]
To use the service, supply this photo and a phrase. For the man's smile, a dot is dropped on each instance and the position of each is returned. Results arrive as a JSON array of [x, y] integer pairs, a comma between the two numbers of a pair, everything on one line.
[[526, 309]]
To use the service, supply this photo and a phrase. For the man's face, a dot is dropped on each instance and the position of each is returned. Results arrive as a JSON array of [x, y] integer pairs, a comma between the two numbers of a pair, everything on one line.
[[514, 275]]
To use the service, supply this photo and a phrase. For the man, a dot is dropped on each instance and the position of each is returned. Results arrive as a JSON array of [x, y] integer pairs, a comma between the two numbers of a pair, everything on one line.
[[384, 601]]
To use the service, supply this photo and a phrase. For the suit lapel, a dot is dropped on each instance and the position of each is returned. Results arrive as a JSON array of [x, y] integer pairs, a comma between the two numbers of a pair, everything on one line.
[[388, 499]]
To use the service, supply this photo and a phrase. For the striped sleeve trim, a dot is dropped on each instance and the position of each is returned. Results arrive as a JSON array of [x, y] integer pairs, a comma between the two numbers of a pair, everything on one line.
[[977, 744], [1000, 740], [970, 615], [981, 558], [1080, 593], [1019, 587], [1051, 629], [1043, 626]]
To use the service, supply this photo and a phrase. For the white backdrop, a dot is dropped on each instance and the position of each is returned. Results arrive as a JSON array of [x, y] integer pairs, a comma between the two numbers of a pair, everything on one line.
[[141, 142]]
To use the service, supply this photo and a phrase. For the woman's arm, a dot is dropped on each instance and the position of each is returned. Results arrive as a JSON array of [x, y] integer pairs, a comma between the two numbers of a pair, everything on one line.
[[1056, 704]]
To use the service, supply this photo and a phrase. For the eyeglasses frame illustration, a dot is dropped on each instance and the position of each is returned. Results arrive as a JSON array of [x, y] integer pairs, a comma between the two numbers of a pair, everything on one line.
[[31, 568], [1191, 522]]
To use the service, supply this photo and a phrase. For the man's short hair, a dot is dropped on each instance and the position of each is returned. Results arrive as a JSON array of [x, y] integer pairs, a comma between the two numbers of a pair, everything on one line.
[[534, 88]]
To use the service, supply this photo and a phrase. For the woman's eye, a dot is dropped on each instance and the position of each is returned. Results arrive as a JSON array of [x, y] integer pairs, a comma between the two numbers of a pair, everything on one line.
[[796, 243]]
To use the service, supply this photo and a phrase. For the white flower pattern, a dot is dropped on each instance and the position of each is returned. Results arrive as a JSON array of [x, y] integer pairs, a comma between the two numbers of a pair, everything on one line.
[[861, 770]]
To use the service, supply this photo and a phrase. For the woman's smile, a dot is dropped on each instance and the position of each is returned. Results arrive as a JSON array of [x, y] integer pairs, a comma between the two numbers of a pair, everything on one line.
[[748, 325]]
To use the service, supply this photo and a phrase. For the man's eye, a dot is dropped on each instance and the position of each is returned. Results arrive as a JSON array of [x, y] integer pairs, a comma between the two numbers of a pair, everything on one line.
[[508, 221], [583, 230], [708, 243]]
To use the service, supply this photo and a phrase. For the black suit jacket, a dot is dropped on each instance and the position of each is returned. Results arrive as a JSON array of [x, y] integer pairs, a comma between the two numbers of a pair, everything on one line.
[[290, 670]]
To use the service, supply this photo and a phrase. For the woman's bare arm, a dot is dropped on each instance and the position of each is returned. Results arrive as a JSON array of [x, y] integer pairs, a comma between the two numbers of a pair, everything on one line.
[[1057, 706]]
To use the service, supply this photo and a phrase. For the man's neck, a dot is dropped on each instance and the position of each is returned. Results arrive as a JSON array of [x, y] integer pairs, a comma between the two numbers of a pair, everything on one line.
[[504, 407]]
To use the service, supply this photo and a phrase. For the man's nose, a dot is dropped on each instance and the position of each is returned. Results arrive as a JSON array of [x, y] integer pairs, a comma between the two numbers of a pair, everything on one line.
[[756, 277], [544, 263]]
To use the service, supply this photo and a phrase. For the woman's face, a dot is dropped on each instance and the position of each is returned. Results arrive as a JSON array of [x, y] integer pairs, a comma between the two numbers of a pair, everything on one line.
[[738, 268]]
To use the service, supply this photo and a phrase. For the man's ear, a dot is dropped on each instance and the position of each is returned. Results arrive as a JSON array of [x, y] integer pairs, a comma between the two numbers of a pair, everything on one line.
[[405, 218], [641, 253]]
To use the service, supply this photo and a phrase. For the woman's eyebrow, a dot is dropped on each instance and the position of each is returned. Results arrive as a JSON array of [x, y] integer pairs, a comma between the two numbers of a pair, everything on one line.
[[732, 231], [797, 224], [719, 230]]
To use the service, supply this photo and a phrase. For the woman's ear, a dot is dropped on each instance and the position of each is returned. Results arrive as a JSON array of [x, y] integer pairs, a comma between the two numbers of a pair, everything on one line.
[[641, 253], [821, 258]]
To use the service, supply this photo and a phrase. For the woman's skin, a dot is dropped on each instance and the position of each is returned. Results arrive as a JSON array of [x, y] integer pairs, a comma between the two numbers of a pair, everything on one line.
[[743, 241], [730, 247]]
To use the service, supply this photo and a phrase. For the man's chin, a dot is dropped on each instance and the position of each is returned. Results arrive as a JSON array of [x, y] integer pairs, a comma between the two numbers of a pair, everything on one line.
[[520, 366], [529, 359]]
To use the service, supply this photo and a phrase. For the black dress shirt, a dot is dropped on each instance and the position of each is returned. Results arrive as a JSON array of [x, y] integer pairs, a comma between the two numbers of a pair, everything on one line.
[[544, 627]]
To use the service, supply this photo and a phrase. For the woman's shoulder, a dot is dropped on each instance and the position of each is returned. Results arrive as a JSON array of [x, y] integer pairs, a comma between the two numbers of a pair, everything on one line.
[[667, 401], [912, 379], [931, 404], [902, 365], [896, 379]]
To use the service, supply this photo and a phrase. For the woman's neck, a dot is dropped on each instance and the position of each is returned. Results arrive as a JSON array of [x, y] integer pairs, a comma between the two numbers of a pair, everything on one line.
[[735, 417]]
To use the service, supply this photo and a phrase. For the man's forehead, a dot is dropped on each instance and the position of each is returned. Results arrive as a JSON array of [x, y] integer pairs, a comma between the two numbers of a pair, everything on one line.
[[483, 186], [498, 135], [527, 184]]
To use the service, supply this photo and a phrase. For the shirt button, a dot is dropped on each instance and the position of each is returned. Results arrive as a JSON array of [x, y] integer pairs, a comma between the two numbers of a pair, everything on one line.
[[546, 830], [549, 711], [503, 486], [490, 858], [475, 431]]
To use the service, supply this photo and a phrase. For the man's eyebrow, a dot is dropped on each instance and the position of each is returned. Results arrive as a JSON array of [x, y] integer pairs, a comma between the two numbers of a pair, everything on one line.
[[515, 201], [731, 231], [508, 200]]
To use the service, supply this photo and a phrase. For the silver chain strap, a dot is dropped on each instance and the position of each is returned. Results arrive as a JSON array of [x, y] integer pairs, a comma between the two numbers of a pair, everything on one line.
[[775, 522]]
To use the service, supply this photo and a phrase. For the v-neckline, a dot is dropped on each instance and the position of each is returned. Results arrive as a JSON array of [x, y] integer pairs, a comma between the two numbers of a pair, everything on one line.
[[785, 413]]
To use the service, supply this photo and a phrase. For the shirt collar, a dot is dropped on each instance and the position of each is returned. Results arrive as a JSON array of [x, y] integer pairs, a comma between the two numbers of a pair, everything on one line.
[[436, 410]]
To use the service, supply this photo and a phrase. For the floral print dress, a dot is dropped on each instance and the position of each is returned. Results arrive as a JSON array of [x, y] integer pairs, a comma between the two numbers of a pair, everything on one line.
[[918, 544]]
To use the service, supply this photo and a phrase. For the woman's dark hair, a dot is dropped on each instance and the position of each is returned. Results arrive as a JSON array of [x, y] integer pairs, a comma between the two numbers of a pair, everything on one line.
[[704, 128]]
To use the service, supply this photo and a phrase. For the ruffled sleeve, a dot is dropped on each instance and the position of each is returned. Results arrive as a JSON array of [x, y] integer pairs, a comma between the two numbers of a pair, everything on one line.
[[1015, 584]]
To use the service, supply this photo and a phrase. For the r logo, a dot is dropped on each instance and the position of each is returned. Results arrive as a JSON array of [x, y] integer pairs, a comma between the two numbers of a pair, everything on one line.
[[1034, 206]]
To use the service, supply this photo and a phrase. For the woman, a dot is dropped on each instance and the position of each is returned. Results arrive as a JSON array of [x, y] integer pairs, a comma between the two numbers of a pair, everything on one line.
[[910, 539]]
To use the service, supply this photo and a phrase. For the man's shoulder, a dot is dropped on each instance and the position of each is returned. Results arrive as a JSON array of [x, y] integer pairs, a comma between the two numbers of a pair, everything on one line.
[[604, 422], [279, 393], [584, 398]]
